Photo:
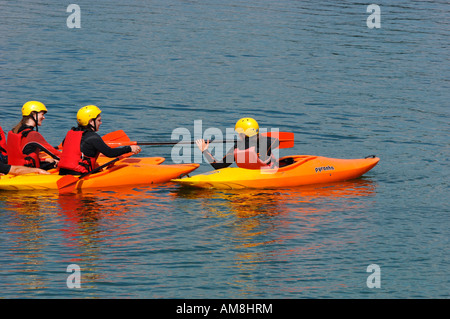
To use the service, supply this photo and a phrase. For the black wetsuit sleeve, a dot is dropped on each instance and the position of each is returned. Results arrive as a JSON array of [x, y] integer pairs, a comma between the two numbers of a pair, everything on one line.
[[5, 168], [226, 161], [92, 144]]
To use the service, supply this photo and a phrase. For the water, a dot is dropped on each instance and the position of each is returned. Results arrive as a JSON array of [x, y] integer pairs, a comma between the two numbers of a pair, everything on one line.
[[310, 67]]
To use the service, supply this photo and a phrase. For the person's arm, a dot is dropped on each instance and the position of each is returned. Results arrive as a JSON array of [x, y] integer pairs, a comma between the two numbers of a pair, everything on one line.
[[271, 144], [227, 160], [275, 143], [20, 170], [96, 143]]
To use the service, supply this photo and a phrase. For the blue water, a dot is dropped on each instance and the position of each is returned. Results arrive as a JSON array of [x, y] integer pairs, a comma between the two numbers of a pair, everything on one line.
[[309, 67]]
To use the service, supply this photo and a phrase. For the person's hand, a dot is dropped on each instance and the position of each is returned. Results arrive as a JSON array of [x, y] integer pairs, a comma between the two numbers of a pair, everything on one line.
[[135, 149], [202, 145], [41, 171], [51, 160]]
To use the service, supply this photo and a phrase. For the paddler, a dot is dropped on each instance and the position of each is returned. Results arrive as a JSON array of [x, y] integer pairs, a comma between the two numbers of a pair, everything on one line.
[[13, 169], [83, 145], [24, 143], [251, 151]]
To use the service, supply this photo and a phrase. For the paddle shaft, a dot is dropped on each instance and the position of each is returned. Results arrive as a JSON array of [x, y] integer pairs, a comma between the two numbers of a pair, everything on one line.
[[120, 138], [286, 140], [98, 169], [114, 143]]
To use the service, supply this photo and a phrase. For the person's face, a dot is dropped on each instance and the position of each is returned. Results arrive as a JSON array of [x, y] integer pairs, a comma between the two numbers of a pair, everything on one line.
[[40, 118], [98, 122]]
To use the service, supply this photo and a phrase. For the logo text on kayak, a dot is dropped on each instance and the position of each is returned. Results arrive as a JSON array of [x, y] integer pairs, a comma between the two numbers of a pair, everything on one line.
[[324, 168]]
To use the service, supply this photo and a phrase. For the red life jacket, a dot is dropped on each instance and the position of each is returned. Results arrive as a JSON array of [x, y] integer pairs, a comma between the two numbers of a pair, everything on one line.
[[3, 152], [249, 159], [14, 146], [72, 158]]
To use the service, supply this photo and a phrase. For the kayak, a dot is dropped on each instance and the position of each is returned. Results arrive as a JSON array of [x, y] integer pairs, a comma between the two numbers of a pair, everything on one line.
[[126, 172], [132, 160], [293, 171]]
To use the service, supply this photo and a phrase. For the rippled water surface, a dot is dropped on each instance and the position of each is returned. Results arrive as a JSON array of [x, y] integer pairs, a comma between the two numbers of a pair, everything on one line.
[[309, 67]]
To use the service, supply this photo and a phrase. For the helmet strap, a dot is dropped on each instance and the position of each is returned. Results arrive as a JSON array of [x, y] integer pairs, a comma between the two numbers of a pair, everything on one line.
[[35, 119], [93, 127]]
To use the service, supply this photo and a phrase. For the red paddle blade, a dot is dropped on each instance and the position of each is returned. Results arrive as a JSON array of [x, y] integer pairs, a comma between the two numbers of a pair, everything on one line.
[[286, 139], [286, 144], [116, 136], [67, 184]]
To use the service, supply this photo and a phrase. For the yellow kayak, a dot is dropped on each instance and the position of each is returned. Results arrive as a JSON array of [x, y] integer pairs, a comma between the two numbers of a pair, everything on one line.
[[294, 170]]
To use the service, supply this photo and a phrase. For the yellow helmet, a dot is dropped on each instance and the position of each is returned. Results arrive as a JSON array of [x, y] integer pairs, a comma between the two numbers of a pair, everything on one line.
[[86, 113], [248, 126], [33, 106]]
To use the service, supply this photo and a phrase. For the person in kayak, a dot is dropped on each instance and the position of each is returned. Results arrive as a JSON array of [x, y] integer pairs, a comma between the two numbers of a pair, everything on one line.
[[251, 151], [13, 169], [82, 145], [24, 143]]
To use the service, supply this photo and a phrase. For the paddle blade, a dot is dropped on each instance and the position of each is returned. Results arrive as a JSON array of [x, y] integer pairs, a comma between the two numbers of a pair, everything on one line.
[[67, 184], [116, 136], [286, 139]]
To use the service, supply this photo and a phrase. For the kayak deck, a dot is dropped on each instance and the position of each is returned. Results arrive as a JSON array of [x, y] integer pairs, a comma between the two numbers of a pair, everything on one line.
[[297, 170], [132, 160]]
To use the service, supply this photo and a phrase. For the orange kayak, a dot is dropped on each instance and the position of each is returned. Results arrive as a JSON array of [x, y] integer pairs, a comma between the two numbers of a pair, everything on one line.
[[126, 172], [293, 171]]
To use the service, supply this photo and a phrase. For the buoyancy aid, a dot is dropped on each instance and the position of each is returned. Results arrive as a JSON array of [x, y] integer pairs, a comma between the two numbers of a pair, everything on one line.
[[3, 152], [250, 159], [14, 146], [72, 158]]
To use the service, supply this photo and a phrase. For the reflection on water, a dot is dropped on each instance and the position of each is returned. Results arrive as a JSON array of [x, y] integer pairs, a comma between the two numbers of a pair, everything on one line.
[[45, 231], [153, 236], [245, 203], [282, 232], [25, 235]]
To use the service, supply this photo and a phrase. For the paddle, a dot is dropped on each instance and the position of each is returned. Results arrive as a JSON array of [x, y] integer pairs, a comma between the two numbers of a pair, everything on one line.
[[116, 136], [119, 138], [67, 183]]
